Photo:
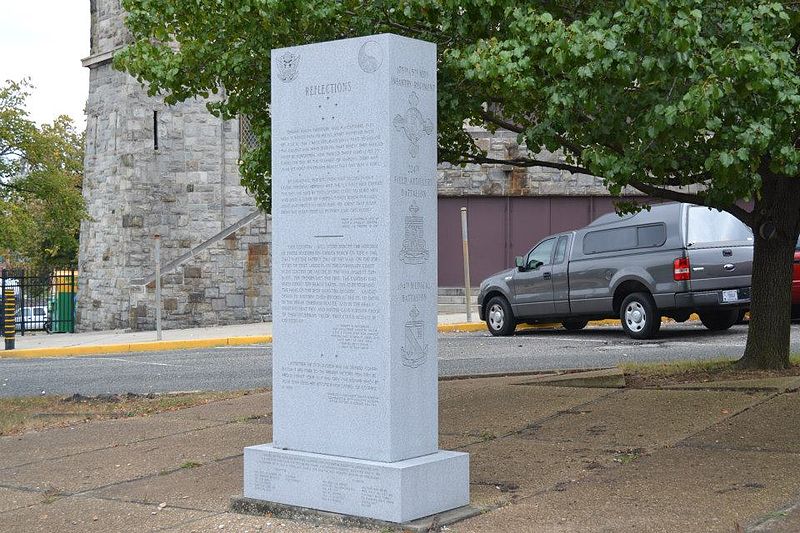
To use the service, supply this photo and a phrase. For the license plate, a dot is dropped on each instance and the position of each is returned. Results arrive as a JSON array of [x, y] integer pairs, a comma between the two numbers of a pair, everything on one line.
[[730, 296]]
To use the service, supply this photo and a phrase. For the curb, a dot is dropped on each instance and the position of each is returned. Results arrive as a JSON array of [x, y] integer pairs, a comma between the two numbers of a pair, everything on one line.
[[189, 344], [152, 346]]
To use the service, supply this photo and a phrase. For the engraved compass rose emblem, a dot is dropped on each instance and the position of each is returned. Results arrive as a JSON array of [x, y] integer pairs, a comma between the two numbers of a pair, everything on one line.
[[413, 124]]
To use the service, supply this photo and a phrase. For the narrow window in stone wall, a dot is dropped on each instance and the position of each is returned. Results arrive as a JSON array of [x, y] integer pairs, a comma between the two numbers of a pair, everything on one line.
[[155, 130], [247, 138]]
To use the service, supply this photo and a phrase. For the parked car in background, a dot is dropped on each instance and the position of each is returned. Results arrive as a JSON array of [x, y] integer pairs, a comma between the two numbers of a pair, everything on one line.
[[35, 317], [674, 260], [796, 283]]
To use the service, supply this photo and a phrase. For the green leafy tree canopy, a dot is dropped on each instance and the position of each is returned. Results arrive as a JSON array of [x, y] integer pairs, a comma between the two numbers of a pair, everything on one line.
[[41, 170], [689, 100]]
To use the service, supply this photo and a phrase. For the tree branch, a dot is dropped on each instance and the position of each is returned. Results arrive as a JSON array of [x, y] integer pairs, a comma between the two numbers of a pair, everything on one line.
[[497, 121], [692, 198], [525, 163]]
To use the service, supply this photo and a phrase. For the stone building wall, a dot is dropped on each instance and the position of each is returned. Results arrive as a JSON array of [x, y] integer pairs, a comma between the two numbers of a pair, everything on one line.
[[506, 180], [168, 170], [227, 283]]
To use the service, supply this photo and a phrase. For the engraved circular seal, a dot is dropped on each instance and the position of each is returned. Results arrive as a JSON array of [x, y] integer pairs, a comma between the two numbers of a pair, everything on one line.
[[370, 56]]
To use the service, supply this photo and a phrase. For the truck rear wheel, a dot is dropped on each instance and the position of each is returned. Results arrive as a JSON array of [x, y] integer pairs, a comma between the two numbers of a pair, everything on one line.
[[639, 316], [719, 320], [499, 317]]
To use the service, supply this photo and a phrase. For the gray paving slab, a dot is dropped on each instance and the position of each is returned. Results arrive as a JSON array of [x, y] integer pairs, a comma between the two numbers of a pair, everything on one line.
[[634, 418], [91, 515], [14, 499], [79, 438], [771, 425], [235, 409], [509, 469], [100, 468], [686, 490], [207, 487], [241, 523], [502, 408]]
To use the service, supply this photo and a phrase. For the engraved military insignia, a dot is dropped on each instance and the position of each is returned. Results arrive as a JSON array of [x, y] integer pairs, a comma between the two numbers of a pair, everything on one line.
[[287, 66], [370, 56], [414, 350], [414, 250], [413, 124]]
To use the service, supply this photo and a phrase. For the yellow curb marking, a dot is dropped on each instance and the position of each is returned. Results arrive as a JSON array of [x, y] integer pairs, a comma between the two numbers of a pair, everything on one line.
[[188, 344]]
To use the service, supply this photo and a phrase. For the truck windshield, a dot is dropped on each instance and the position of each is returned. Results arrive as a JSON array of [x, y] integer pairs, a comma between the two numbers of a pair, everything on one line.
[[710, 226]]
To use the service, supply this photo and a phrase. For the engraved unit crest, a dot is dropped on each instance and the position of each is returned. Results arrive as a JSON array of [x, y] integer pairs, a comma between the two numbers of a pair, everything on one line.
[[413, 124], [415, 350], [287, 66], [414, 250]]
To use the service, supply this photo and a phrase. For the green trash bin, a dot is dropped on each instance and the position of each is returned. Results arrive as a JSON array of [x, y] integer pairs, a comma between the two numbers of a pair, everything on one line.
[[62, 317]]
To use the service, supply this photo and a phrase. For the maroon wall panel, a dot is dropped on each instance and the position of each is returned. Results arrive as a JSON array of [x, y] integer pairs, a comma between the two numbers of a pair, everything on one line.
[[503, 227], [529, 223], [451, 261]]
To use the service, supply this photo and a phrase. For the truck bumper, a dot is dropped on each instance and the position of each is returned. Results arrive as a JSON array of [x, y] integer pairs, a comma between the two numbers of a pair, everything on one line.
[[692, 300]]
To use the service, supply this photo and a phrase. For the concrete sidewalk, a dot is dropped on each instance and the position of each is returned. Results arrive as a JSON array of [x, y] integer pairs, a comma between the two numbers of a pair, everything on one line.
[[714, 457], [40, 344]]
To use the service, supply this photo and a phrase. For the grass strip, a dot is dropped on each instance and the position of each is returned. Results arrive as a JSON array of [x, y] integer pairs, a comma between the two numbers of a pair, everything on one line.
[[35, 413], [708, 370]]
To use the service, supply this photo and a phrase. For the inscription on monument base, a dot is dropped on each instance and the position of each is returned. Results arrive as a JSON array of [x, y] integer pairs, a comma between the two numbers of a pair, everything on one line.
[[397, 492]]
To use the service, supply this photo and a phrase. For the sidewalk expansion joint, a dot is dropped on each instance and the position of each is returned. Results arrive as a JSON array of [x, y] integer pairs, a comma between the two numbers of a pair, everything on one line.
[[110, 446], [682, 442], [149, 476], [180, 525], [538, 422]]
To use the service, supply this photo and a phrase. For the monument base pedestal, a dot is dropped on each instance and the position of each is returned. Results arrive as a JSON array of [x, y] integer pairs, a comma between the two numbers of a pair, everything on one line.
[[395, 492]]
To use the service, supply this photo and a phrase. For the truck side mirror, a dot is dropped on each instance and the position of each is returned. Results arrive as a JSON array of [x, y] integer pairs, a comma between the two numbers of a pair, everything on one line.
[[520, 262]]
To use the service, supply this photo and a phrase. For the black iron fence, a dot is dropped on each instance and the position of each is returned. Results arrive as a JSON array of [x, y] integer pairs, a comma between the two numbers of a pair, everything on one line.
[[44, 301]]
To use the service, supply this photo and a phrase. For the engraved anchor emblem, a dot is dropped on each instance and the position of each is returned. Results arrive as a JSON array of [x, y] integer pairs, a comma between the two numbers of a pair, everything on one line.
[[414, 250], [413, 124], [415, 351]]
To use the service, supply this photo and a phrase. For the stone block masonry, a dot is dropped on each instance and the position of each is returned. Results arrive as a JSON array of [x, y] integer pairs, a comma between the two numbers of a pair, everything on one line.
[[169, 170], [227, 283]]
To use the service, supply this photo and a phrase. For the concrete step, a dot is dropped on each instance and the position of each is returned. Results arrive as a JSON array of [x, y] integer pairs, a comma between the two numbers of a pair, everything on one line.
[[455, 291], [456, 308], [457, 299]]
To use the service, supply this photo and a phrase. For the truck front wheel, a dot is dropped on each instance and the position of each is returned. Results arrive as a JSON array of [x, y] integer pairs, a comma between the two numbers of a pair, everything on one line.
[[639, 316], [719, 320], [499, 317]]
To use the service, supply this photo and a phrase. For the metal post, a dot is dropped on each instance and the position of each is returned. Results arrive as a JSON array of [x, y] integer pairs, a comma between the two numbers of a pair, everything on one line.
[[10, 304], [467, 282], [158, 286]]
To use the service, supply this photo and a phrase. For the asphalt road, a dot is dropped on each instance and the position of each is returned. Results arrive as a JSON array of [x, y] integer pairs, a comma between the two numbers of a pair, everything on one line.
[[245, 367]]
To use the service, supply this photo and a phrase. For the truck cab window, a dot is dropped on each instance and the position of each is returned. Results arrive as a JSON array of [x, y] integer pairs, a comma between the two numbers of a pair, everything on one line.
[[561, 250], [541, 254]]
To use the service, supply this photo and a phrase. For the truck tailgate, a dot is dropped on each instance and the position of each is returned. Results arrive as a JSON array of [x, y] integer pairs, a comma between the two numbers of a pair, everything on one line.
[[720, 267]]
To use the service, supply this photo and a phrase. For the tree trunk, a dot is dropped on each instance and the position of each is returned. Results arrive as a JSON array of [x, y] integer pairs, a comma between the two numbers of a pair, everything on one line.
[[768, 344]]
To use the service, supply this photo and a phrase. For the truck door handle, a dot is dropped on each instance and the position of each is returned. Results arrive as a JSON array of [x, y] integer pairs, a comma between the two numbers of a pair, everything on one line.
[[547, 275]]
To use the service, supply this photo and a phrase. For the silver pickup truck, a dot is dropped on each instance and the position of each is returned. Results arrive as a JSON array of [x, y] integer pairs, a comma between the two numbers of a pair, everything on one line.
[[674, 260]]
